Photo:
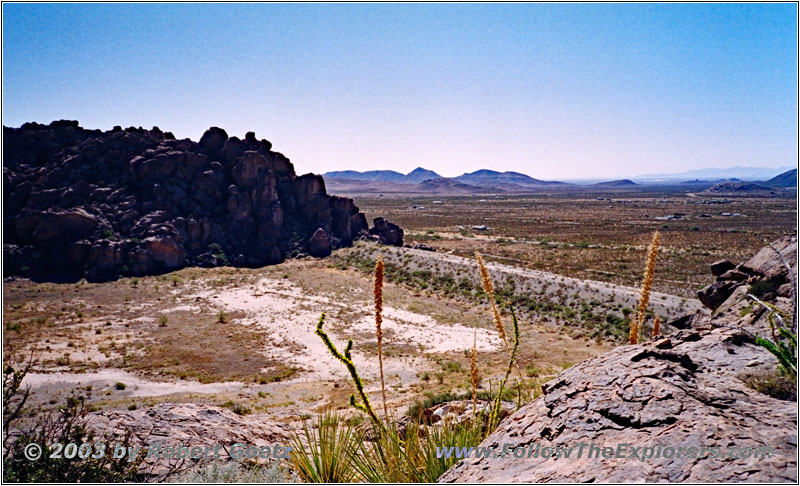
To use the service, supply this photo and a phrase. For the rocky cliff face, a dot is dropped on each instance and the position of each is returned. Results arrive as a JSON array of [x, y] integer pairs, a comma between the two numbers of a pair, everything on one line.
[[686, 390], [98, 204]]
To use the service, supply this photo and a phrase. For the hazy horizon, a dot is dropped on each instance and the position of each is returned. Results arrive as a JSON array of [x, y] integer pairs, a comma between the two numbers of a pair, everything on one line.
[[559, 91]]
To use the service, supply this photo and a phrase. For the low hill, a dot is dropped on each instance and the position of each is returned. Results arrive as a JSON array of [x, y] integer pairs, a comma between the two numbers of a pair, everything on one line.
[[787, 179], [451, 186], [485, 177], [617, 184], [740, 188], [371, 175]]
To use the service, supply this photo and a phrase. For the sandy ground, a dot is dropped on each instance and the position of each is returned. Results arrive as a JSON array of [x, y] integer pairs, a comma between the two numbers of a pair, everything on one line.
[[290, 316]]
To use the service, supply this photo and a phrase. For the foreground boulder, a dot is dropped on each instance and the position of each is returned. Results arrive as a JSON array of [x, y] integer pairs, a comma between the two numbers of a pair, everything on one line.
[[687, 390], [86, 203]]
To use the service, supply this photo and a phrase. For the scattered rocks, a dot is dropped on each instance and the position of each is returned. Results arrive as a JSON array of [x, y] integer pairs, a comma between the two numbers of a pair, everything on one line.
[[769, 265]]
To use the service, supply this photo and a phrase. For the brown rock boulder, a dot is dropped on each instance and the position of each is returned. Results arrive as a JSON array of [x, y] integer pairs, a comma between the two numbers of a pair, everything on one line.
[[388, 233], [213, 140], [57, 228], [165, 251], [319, 245], [769, 263], [189, 424], [721, 266], [715, 294]]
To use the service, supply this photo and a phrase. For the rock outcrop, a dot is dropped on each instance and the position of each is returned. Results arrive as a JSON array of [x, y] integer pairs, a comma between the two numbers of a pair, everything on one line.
[[766, 268], [680, 399], [187, 424], [99, 204]]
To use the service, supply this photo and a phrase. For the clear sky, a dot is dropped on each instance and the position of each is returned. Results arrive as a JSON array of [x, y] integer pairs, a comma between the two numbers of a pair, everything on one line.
[[556, 91]]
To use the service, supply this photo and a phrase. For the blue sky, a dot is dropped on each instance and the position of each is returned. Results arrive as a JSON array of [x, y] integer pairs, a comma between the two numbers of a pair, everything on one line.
[[556, 91]]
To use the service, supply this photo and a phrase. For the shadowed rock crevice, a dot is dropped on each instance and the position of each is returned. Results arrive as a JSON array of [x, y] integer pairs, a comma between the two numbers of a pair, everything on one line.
[[99, 204]]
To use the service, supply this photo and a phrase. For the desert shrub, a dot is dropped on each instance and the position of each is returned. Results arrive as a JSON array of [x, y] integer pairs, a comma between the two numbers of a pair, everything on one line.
[[772, 383], [234, 472], [66, 425], [237, 408], [761, 288]]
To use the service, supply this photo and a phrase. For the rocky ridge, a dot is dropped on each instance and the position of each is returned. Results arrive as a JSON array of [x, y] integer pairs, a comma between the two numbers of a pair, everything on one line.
[[682, 390], [81, 202]]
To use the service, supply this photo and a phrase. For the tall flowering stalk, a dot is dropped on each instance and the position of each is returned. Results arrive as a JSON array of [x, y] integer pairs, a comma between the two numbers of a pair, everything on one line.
[[488, 287], [657, 326], [378, 294], [647, 285], [473, 369]]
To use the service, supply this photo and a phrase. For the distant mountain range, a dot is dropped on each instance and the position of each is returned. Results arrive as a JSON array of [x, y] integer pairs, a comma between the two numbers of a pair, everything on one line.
[[742, 173], [424, 181]]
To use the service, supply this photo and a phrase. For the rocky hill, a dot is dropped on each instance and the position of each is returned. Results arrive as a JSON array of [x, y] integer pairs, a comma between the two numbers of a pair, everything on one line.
[[81, 202], [678, 408], [740, 189]]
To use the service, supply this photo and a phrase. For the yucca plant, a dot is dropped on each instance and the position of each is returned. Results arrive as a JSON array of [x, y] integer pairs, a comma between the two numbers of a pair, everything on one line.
[[325, 455], [411, 456], [473, 372], [783, 344]]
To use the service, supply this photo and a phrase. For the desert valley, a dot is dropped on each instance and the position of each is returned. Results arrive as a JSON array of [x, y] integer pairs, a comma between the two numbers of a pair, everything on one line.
[[400, 243], [130, 293]]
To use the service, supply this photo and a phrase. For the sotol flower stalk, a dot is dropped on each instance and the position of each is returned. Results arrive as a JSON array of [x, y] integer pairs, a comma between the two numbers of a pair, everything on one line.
[[647, 285], [378, 294]]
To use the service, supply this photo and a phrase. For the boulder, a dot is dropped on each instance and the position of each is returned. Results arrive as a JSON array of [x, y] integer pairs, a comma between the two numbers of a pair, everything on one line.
[[721, 266], [319, 245], [189, 424], [213, 140], [388, 233], [715, 294], [681, 391], [165, 251], [57, 228], [769, 261]]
